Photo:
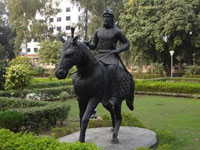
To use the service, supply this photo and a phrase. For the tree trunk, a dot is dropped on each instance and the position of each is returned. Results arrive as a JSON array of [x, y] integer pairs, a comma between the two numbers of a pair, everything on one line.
[[21, 97]]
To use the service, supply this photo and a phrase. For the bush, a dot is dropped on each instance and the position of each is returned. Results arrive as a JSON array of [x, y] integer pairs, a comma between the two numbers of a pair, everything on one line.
[[49, 84], [11, 120], [63, 96], [17, 141], [41, 118], [38, 115], [51, 94], [146, 75], [9, 103], [3, 66], [24, 60], [192, 70], [45, 94], [171, 87], [127, 120], [38, 71]]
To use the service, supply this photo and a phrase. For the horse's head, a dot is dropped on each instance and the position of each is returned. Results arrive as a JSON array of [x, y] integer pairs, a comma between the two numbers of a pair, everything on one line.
[[70, 55]]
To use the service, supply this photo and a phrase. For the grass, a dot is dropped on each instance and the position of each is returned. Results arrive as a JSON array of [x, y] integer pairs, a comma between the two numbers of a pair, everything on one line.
[[181, 116]]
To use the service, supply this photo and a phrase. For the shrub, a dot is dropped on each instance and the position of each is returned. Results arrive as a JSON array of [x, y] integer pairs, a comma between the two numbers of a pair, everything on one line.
[[41, 118], [171, 87], [192, 70], [17, 78], [156, 68], [45, 94], [63, 96], [21, 60], [39, 115], [49, 84], [38, 71], [9, 103], [14, 141], [51, 94], [127, 120], [3, 66], [11, 120]]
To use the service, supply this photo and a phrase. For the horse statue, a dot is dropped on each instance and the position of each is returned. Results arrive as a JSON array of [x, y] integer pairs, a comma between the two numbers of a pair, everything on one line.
[[91, 84]]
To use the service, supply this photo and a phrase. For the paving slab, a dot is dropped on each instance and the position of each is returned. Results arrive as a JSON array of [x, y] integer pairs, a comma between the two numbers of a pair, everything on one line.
[[130, 138]]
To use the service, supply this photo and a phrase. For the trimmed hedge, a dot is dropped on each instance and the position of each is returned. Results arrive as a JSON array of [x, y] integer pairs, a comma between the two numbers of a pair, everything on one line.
[[9, 103], [49, 84], [39, 115], [171, 87], [49, 79], [46, 94], [41, 118], [17, 141]]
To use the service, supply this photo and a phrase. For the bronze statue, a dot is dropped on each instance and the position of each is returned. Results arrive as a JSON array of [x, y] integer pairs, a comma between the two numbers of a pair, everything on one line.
[[105, 40], [93, 81]]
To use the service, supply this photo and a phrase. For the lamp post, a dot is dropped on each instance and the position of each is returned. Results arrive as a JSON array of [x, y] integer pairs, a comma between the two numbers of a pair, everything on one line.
[[171, 53]]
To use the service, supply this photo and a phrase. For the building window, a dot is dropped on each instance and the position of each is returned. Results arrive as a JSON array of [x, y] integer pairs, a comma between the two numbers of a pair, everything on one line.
[[28, 50], [50, 19], [68, 18], [58, 28], [79, 18], [79, 27], [79, 9], [51, 29], [35, 50], [67, 27], [68, 9], [59, 19]]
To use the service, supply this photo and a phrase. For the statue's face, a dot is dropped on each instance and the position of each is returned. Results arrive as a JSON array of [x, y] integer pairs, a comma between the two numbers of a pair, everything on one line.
[[108, 21]]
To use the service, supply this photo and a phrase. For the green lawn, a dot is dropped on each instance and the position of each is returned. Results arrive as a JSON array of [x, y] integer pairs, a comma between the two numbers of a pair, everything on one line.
[[181, 116]]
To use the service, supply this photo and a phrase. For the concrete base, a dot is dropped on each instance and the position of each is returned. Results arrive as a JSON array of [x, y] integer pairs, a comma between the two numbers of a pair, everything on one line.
[[130, 138]]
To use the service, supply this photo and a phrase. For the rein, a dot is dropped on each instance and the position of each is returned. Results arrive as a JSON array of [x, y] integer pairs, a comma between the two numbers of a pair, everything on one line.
[[106, 55]]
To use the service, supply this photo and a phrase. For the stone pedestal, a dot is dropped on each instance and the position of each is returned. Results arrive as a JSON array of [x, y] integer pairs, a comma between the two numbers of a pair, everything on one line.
[[130, 138]]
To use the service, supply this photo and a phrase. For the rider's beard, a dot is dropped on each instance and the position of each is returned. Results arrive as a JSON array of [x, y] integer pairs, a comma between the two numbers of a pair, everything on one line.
[[108, 24]]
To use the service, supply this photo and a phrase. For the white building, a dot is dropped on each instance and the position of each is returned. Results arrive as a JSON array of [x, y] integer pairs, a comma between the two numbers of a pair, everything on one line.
[[69, 14]]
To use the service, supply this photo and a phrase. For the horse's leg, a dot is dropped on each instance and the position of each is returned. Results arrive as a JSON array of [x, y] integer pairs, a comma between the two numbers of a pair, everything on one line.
[[82, 107], [112, 114], [92, 104], [118, 121]]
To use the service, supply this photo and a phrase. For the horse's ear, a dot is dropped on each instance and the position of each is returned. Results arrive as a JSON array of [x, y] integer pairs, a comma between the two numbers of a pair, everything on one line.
[[62, 39], [75, 40]]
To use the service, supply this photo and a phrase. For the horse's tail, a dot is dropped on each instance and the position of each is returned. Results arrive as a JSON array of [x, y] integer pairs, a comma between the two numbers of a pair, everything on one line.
[[130, 97]]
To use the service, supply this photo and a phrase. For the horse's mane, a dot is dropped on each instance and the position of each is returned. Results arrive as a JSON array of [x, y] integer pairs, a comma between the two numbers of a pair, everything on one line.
[[83, 47]]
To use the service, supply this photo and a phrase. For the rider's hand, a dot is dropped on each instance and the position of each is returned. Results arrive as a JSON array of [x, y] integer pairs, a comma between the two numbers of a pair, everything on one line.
[[115, 52]]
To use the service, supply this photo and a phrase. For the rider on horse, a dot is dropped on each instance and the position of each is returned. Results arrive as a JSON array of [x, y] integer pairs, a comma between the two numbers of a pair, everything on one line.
[[105, 40]]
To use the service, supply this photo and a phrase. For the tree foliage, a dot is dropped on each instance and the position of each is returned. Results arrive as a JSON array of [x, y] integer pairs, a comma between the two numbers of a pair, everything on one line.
[[21, 60], [17, 78], [6, 35], [155, 27], [22, 16], [49, 52]]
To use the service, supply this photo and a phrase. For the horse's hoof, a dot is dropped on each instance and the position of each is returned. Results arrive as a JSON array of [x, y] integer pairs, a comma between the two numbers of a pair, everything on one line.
[[81, 141], [112, 130], [115, 141]]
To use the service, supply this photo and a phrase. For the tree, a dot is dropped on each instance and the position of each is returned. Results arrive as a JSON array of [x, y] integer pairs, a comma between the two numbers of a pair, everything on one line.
[[17, 78], [49, 52], [155, 27], [96, 9], [22, 15], [6, 35]]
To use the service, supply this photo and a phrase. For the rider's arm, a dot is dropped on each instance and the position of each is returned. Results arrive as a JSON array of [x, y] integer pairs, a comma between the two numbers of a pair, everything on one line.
[[125, 42], [94, 42]]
